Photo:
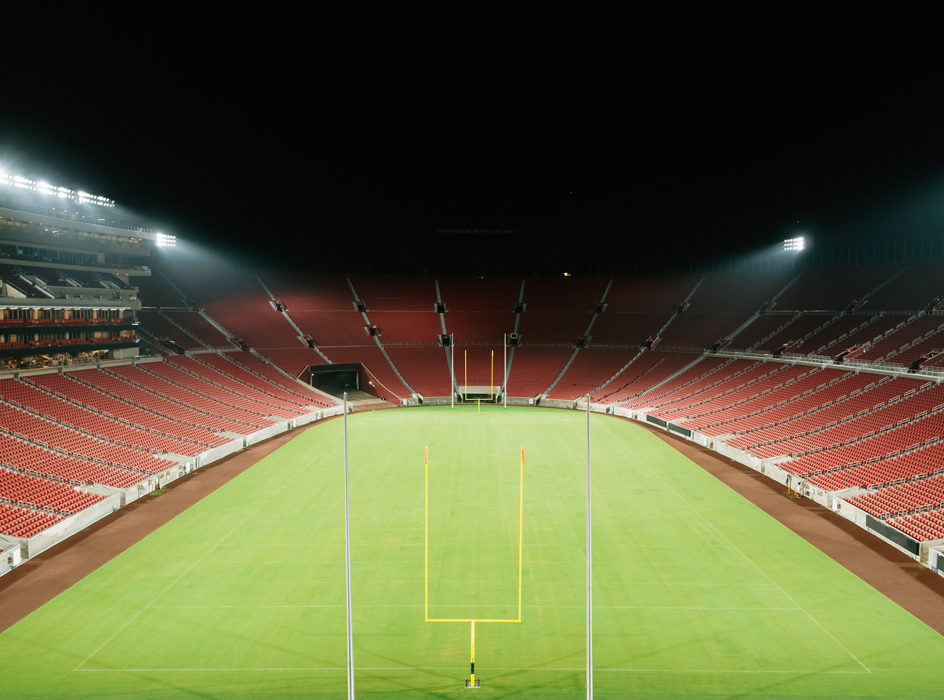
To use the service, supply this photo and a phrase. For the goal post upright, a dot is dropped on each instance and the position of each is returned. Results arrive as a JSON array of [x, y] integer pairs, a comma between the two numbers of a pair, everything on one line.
[[471, 682]]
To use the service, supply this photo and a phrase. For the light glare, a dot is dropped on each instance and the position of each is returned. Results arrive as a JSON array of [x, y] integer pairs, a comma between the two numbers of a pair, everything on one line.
[[166, 240], [794, 244], [44, 188]]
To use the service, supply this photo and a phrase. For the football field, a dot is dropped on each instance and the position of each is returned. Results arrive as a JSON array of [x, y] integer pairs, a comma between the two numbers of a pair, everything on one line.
[[696, 591]]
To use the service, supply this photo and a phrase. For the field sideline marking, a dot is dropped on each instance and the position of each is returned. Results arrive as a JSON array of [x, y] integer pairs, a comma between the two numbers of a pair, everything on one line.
[[186, 571], [506, 669], [475, 605], [753, 563]]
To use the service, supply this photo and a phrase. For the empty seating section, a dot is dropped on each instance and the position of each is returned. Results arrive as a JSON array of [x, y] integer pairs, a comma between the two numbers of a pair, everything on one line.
[[720, 305], [80, 386], [927, 336], [653, 295], [14, 276], [792, 333], [644, 373], [479, 294], [207, 396], [222, 387], [830, 468], [294, 361], [156, 394], [62, 408], [873, 392], [901, 499], [700, 329], [236, 300], [590, 369], [868, 419], [481, 365], [706, 372], [25, 456], [426, 369], [690, 400], [896, 341], [290, 358], [533, 369], [159, 327], [23, 522], [311, 292], [253, 319], [753, 413], [563, 327], [731, 392], [750, 397], [922, 348], [393, 293], [328, 328], [927, 525], [25, 490], [832, 338], [893, 467], [865, 335], [762, 327], [833, 289], [626, 328], [405, 326], [22, 423], [563, 295], [154, 290], [197, 325], [830, 328], [480, 326], [250, 370], [914, 287], [742, 292], [800, 415]]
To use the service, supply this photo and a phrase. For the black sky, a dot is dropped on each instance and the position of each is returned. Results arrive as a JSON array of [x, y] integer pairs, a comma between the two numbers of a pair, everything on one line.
[[541, 173]]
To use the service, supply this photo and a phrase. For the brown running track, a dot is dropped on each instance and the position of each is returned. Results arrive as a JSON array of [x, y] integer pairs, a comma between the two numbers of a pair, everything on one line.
[[914, 587]]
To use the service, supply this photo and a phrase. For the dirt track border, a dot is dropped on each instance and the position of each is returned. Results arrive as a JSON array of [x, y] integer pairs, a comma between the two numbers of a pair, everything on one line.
[[914, 587]]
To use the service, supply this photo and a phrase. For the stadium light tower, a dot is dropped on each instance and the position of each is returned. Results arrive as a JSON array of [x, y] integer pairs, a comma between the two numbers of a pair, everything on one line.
[[166, 240]]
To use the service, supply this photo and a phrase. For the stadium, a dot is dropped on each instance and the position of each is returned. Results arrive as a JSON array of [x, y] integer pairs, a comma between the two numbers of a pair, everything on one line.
[[510, 432]]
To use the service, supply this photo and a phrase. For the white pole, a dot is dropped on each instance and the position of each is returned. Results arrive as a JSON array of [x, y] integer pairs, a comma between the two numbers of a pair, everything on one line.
[[347, 566], [452, 369], [505, 374], [589, 571]]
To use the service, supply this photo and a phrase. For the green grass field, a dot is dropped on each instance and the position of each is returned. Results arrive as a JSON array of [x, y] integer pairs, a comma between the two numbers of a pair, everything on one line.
[[697, 592]]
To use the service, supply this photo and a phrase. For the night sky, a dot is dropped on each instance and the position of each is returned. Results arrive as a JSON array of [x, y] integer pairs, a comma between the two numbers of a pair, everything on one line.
[[531, 174]]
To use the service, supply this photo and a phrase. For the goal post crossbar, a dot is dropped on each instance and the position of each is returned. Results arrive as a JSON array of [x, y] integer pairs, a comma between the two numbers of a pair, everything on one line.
[[426, 548]]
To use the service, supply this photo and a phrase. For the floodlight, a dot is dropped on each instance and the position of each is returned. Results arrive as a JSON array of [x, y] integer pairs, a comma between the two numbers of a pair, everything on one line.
[[166, 240], [794, 244], [45, 188]]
